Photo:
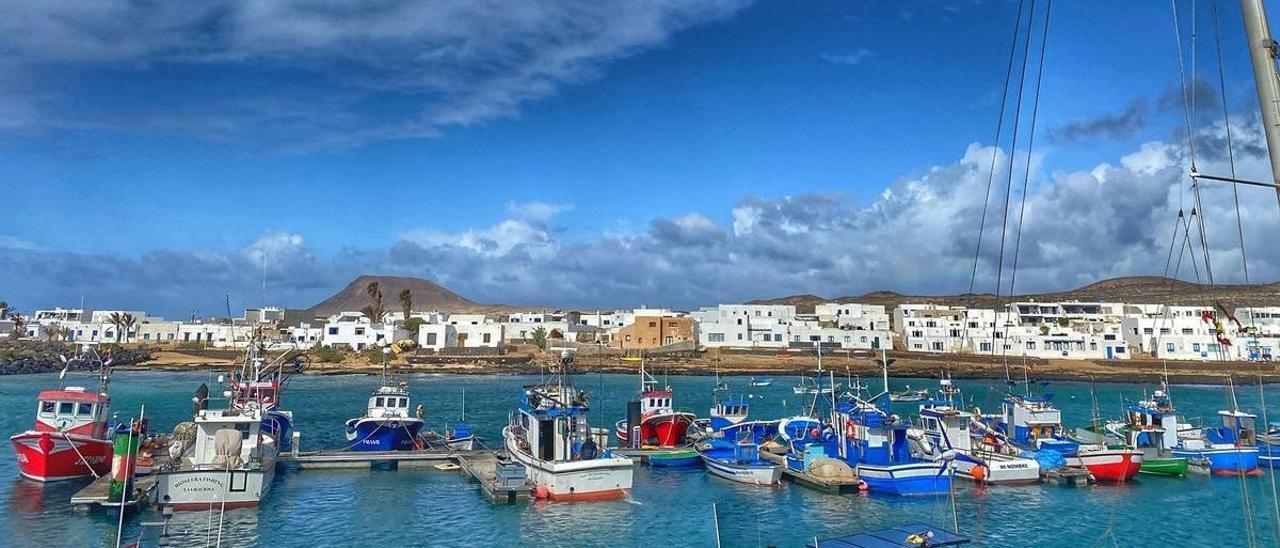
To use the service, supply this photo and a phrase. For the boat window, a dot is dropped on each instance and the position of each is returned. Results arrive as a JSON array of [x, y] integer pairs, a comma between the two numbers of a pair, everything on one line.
[[47, 408], [66, 408], [377, 402], [404, 402], [86, 410]]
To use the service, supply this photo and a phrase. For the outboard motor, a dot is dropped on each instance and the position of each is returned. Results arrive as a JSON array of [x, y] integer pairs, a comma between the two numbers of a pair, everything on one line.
[[200, 401]]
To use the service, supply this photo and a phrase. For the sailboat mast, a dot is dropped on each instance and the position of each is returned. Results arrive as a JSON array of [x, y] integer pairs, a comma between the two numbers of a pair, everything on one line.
[[1262, 49]]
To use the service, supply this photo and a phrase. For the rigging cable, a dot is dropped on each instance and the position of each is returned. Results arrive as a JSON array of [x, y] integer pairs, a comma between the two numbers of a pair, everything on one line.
[[1031, 137], [1004, 221]]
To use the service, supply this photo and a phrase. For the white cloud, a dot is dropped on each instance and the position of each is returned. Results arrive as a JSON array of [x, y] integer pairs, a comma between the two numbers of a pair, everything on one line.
[[326, 68], [855, 57], [536, 211]]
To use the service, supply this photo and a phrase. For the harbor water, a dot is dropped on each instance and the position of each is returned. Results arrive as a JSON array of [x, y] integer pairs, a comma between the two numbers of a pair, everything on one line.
[[666, 507]]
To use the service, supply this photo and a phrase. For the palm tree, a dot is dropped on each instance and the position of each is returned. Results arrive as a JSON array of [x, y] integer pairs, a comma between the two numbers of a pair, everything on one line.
[[116, 320], [128, 322], [57, 332], [375, 309], [406, 302]]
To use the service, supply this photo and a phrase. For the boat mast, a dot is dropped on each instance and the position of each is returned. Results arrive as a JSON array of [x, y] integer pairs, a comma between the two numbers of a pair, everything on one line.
[[1262, 49]]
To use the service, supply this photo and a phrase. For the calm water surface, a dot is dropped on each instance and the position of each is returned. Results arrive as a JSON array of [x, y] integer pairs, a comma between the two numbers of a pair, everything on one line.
[[666, 507]]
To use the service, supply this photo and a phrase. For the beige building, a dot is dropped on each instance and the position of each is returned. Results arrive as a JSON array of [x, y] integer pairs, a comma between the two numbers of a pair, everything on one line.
[[655, 331]]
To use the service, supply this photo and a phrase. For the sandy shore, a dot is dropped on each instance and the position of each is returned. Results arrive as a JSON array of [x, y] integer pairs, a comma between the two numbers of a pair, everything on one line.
[[902, 364]]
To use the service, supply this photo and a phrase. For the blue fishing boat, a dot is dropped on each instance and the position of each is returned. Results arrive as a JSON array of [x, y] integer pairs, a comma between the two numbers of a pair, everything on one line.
[[1227, 450], [1269, 446], [728, 412], [739, 461], [1034, 423], [875, 443], [386, 424]]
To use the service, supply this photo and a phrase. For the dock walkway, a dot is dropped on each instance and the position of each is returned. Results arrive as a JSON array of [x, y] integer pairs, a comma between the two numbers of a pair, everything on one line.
[[321, 460], [96, 494], [482, 466]]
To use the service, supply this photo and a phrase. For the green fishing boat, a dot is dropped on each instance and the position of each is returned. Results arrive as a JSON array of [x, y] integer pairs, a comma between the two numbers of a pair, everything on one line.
[[1163, 466], [674, 458]]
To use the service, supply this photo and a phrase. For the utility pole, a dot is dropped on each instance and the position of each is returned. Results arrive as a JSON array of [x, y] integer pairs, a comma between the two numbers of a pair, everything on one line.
[[1263, 51]]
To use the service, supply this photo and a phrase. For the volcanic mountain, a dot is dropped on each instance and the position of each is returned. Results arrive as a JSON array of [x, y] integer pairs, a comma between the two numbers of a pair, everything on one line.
[[427, 295]]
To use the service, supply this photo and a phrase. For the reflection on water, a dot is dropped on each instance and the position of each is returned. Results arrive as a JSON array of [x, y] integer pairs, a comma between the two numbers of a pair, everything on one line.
[[666, 506]]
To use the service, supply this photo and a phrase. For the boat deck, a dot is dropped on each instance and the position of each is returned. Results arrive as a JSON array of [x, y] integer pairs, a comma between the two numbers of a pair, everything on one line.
[[96, 494], [825, 485], [482, 467]]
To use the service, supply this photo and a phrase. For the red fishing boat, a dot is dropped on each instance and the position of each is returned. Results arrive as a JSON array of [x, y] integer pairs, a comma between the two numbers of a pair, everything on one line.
[[1110, 465], [659, 424], [70, 438]]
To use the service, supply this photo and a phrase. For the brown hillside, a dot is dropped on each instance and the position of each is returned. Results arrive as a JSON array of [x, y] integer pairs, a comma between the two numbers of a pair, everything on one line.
[[427, 295], [1133, 289]]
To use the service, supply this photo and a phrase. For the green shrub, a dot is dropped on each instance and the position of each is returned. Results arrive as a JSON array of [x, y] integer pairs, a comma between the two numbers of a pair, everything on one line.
[[325, 354]]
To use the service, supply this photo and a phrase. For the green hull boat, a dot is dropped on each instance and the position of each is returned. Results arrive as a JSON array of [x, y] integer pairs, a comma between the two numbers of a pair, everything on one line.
[[1164, 467]]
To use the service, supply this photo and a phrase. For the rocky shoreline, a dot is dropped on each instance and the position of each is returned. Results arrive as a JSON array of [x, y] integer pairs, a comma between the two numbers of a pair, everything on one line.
[[44, 358], [902, 365]]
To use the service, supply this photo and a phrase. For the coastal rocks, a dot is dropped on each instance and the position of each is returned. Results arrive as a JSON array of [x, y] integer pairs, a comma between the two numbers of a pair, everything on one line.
[[24, 359]]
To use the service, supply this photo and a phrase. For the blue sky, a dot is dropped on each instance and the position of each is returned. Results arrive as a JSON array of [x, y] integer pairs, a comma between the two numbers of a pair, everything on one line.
[[589, 154]]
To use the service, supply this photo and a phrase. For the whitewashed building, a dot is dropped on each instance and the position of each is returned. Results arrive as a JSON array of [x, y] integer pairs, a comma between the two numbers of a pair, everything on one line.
[[745, 325], [356, 331], [1182, 333]]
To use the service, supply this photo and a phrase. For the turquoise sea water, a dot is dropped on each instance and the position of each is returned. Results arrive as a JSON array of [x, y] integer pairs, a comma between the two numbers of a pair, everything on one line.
[[666, 507]]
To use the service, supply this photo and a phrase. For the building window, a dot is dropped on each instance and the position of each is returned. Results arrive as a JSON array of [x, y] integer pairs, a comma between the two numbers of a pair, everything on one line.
[[984, 347], [359, 331], [739, 336], [1195, 347], [937, 345], [777, 337], [333, 331], [487, 338], [715, 337], [1031, 345], [653, 324], [1187, 331], [431, 339], [1169, 347]]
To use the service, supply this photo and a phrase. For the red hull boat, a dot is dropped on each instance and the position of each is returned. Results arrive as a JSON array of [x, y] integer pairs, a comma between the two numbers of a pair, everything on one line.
[[70, 438], [1112, 465], [660, 428]]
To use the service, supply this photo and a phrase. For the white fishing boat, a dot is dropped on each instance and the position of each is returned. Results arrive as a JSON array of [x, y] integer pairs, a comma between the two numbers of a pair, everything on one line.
[[229, 464], [944, 427], [549, 435]]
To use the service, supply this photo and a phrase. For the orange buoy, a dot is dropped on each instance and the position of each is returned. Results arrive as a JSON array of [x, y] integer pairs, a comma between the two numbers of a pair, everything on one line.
[[542, 493], [979, 473]]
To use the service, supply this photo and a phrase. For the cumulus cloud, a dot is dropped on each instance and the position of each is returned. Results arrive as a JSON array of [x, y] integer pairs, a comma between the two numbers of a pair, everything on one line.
[[917, 235], [334, 72]]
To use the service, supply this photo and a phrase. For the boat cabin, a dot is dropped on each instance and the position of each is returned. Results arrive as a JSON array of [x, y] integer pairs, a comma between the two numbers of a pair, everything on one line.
[[947, 428], [555, 432], [652, 401], [728, 413], [1238, 428], [215, 448], [388, 402], [73, 409], [1152, 425], [1029, 419], [867, 434]]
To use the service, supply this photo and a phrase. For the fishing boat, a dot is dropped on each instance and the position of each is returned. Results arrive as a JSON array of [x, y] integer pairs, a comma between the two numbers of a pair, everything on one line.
[[909, 395], [386, 424], [255, 382], [1151, 426], [944, 427], [1227, 450], [761, 381], [652, 418], [1033, 422], [228, 462], [728, 412], [71, 437], [876, 444], [810, 387], [549, 434], [738, 460]]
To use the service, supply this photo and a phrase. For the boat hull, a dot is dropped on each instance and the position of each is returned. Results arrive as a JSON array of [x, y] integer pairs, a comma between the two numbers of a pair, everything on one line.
[[675, 459], [750, 474], [583, 480], [915, 479], [399, 434], [1176, 467], [52, 456], [188, 490], [997, 471], [1109, 465], [1224, 461], [664, 430]]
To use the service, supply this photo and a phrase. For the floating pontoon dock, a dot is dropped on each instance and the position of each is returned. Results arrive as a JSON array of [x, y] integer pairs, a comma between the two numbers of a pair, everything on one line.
[[501, 479], [97, 494]]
